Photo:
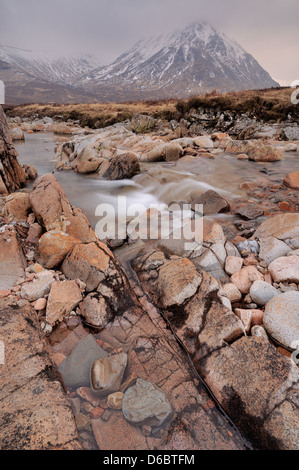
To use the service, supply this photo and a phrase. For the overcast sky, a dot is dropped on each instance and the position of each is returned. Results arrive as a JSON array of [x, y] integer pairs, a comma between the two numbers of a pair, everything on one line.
[[268, 29]]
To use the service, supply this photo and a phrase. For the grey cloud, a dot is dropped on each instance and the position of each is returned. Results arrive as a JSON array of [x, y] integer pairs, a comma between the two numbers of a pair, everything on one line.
[[106, 28]]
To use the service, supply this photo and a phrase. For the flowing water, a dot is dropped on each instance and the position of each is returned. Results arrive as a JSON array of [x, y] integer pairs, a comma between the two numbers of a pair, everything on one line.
[[161, 183]]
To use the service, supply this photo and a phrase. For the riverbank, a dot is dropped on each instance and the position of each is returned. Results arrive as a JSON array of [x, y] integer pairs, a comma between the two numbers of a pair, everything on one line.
[[231, 302]]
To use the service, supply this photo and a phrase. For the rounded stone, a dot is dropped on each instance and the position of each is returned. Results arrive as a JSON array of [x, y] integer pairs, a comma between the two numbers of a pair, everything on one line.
[[261, 292], [281, 319], [146, 404], [114, 401]]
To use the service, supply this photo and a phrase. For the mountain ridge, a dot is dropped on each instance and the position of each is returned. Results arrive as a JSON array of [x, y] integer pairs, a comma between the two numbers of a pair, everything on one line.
[[180, 64]]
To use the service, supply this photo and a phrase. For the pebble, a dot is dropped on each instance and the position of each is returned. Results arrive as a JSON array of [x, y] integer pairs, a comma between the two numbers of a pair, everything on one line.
[[260, 332], [40, 304], [114, 400]]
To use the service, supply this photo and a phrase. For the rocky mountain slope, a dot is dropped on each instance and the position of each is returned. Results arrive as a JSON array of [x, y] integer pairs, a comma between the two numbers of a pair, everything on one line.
[[195, 60]]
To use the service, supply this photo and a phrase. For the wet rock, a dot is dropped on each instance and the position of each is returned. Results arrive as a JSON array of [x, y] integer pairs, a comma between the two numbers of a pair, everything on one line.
[[244, 278], [235, 385], [285, 269], [107, 374], [212, 203], [53, 247], [75, 369], [281, 319], [53, 210], [96, 310], [250, 212], [121, 167], [39, 287], [30, 171], [17, 134], [272, 248], [12, 261], [64, 297], [261, 292], [264, 153], [114, 401], [146, 404], [118, 434], [292, 180]]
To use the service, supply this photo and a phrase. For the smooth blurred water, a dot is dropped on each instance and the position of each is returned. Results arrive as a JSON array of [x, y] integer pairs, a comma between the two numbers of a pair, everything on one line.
[[159, 182]]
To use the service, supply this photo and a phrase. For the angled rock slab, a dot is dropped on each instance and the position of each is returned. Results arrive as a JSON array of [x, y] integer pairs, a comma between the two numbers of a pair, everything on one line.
[[251, 379], [64, 297], [35, 413], [12, 261]]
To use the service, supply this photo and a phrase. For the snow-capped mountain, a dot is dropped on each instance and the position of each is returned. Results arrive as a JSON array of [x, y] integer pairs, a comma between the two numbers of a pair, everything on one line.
[[189, 62], [31, 76], [195, 60], [44, 65]]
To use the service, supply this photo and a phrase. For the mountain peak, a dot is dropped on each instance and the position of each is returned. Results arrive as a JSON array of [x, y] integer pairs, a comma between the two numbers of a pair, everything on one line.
[[190, 61]]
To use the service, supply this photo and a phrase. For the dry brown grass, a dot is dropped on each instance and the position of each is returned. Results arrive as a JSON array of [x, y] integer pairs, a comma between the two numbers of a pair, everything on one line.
[[269, 104], [97, 113]]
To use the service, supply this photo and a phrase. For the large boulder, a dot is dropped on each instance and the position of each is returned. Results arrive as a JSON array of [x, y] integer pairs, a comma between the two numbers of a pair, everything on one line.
[[17, 206], [53, 247], [54, 211], [95, 265]]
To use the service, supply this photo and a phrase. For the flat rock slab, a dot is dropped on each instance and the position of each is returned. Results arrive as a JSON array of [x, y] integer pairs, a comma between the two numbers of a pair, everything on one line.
[[35, 413], [251, 380], [281, 319], [12, 261]]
